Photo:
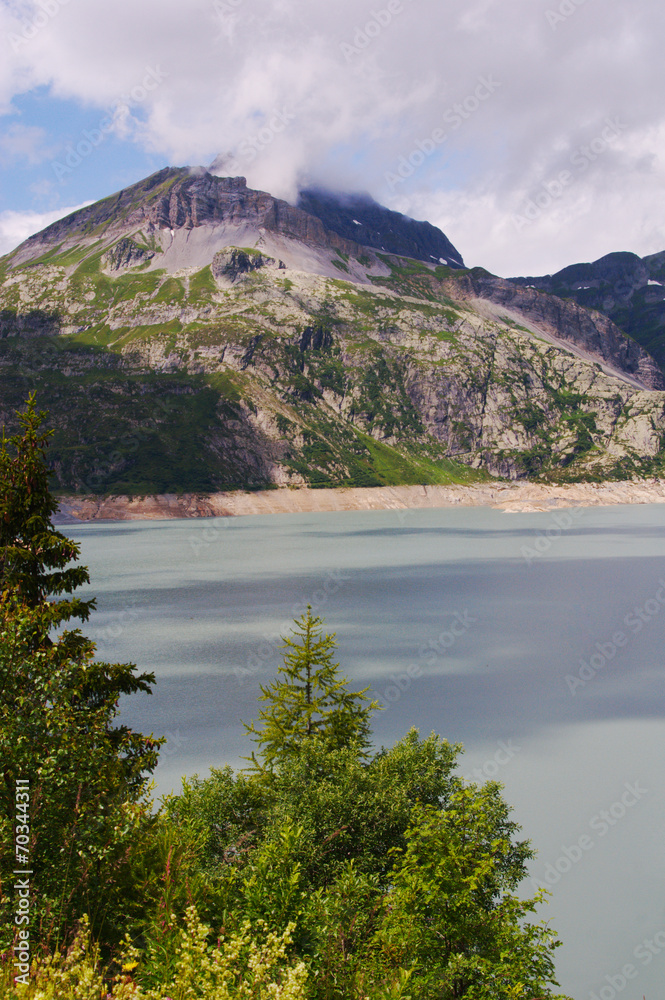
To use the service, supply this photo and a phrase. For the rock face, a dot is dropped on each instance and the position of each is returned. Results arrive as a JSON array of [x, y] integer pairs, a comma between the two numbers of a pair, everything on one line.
[[190, 198], [627, 288], [361, 219], [126, 253], [586, 328], [223, 339], [234, 263], [186, 199]]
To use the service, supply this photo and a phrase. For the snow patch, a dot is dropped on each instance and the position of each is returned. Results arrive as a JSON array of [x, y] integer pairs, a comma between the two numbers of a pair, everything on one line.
[[651, 282]]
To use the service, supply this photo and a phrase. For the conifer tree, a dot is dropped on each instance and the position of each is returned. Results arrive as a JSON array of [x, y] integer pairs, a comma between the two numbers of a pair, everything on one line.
[[35, 558], [87, 777], [309, 699]]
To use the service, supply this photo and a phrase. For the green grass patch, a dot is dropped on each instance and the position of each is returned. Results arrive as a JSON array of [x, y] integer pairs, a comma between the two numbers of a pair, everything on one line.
[[228, 385], [171, 290], [129, 287], [397, 468], [202, 284]]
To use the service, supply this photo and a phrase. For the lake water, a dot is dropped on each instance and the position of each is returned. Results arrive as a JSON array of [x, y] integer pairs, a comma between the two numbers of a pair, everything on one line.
[[536, 640]]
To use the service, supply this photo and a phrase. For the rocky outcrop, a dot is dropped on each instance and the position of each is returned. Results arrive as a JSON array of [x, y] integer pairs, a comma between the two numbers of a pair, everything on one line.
[[127, 253], [623, 272], [232, 263], [30, 323], [588, 329], [186, 199], [207, 200]]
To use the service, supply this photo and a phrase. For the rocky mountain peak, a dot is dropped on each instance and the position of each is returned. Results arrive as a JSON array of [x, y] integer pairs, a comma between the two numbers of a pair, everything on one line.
[[191, 198], [223, 338], [358, 217]]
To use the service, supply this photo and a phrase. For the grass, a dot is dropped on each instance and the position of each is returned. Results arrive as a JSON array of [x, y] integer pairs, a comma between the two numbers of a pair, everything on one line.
[[172, 290], [395, 468], [202, 285], [152, 432]]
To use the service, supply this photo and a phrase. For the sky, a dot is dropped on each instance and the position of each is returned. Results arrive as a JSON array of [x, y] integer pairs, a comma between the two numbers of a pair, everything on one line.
[[532, 132]]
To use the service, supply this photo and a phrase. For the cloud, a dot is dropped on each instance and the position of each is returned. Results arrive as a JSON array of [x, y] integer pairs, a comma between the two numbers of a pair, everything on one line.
[[24, 143], [15, 227], [363, 88]]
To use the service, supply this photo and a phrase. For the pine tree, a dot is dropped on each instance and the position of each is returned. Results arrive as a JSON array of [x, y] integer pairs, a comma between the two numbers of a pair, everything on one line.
[[35, 558], [88, 777], [309, 699]]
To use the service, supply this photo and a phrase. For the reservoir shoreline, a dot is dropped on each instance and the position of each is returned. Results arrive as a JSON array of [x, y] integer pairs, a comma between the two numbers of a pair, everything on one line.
[[515, 497]]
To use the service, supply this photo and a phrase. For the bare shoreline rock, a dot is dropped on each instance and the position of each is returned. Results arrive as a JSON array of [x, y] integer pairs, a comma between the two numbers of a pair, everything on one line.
[[519, 497]]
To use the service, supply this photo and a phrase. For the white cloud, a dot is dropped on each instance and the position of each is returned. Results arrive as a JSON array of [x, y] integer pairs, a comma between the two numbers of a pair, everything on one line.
[[24, 142], [365, 86], [15, 227]]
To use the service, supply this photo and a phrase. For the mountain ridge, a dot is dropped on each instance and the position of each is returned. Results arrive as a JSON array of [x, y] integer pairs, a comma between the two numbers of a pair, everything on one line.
[[629, 289], [223, 339]]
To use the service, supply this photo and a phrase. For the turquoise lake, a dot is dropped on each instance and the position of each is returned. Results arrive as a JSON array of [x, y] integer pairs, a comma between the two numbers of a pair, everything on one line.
[[536, 640]]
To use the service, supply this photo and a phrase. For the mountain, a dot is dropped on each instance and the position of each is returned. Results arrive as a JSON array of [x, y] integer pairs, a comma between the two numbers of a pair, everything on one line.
[[627, 288], [358, 217], [191, 334]]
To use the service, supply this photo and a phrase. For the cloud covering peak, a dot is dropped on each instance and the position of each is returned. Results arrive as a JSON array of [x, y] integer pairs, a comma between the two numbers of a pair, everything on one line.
[[531, 132]]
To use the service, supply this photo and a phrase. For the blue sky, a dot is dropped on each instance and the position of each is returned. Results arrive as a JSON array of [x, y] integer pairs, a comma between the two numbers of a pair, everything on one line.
[[42, 180], [531, 131]]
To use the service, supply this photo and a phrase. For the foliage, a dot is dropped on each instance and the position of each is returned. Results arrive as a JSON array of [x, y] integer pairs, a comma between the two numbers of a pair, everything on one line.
[[309, 699], [451, 916], [396, 878], [332, 872], [34, 557], [238, 967], [87, 778]]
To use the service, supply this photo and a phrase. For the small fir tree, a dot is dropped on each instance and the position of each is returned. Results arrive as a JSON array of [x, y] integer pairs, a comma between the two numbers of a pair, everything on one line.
[[309, 700]]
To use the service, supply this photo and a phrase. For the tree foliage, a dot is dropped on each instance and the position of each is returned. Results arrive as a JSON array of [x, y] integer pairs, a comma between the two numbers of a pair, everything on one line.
[[309, 699], [396, 878], [35, 558], [87, 777]]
